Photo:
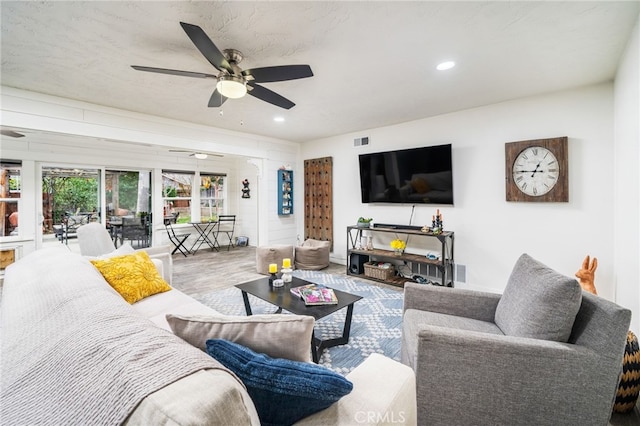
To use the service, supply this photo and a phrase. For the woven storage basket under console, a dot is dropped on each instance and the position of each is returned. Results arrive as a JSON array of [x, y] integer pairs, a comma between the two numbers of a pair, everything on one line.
[[371, 269]]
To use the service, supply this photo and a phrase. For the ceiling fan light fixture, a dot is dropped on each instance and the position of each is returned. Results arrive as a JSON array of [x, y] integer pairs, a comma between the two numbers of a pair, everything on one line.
[[447, 65], [231, 86], [200, 155]]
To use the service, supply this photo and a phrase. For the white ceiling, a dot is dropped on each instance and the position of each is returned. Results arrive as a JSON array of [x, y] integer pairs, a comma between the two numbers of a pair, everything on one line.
[[374, 62]]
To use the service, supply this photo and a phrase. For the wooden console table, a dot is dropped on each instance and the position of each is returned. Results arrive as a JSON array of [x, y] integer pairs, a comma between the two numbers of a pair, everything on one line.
[[444, 264]]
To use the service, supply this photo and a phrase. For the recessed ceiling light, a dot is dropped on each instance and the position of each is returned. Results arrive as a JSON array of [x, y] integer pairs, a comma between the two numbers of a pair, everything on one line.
[[445, 65], [278, 119]]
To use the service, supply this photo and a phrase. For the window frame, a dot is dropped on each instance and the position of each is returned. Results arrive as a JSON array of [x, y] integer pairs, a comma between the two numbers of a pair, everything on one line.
[[196, 197], [168, 201], [219, 198], [17, 200]]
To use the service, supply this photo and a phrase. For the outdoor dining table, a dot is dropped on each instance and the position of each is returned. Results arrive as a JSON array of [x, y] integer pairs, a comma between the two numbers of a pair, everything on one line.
[[204, 230]]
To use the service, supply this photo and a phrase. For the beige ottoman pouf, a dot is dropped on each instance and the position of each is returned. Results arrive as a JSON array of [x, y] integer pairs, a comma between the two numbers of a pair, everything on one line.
[[313, 254], [274, 254]]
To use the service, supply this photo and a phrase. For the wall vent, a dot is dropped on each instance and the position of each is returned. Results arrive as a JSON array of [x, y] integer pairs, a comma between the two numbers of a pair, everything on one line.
[[361, 141], [461, 273]]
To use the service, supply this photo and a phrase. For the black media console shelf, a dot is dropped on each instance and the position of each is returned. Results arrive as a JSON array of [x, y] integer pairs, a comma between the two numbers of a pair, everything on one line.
[[356, 258]]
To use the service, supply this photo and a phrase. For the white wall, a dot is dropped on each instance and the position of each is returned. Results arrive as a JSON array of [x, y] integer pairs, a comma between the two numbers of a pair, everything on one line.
[[99, 136], [491, 233], [627, 179], [247, 208]]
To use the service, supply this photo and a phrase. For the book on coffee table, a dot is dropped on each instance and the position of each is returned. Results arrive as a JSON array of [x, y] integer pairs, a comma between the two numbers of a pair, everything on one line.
[[296, 290], [314, 294]]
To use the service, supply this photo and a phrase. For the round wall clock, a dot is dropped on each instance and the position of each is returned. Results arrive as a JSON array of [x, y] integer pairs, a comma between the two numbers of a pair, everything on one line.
[[537, 170]]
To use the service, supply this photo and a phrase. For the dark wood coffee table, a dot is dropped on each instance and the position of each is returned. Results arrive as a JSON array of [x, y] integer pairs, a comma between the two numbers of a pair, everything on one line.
[[283, 299]]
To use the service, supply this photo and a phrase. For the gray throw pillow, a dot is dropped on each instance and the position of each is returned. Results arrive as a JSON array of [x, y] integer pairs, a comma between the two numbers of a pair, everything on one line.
[[277, 335], [538, 302]]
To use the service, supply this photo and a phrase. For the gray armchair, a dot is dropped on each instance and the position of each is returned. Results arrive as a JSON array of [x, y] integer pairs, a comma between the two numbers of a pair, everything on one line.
[[543, 352]]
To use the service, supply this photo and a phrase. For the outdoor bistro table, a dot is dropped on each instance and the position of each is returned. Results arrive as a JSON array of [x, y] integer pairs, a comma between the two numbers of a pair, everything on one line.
[[204, 230]]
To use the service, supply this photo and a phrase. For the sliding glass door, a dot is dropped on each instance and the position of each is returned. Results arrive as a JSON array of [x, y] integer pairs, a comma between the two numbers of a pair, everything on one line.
[[128, 203], [70, 198]]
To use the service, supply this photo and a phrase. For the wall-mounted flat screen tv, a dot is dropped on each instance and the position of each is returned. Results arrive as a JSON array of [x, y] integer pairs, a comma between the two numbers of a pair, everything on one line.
[[414, 176]]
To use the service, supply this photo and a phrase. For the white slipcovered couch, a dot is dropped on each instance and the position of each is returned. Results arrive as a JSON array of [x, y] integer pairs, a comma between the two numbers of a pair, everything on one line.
[[75, 352]]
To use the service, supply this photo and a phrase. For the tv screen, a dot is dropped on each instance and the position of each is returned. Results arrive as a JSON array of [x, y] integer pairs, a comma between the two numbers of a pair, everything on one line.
[[417, 175]]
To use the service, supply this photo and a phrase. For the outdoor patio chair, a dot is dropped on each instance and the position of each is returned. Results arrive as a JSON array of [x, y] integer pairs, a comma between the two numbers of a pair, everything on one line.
[[172, 218], [177, 240], [70, 224], [226, 225], [136, 230]]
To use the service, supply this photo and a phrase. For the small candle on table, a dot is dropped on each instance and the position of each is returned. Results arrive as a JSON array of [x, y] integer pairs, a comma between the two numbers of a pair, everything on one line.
[[273, 268], [286, 263]]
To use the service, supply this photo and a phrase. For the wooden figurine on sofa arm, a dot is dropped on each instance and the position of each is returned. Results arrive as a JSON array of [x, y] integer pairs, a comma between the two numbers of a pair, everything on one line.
[[586, 274], [629, 386]]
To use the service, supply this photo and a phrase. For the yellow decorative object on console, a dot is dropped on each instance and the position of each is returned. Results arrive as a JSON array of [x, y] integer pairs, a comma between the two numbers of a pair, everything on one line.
[[273, 268], [398, 244], [134, 276], [286, 263]]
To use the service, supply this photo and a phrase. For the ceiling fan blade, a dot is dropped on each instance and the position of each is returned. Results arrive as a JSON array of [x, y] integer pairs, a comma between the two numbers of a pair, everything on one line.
[[216, 99], [270, 96], [173, 72], [193, 153], [206, 46], [11, 133], [278, 73]]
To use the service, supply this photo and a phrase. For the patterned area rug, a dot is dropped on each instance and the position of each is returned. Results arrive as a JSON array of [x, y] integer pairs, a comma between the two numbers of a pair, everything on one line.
[[375, 326]]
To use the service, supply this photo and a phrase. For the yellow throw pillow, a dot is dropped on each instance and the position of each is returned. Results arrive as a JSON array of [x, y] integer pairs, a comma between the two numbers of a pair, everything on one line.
[[134, 276]]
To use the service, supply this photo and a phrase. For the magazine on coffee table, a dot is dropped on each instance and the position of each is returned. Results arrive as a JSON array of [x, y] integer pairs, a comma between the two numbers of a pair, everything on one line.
[[315, 294]]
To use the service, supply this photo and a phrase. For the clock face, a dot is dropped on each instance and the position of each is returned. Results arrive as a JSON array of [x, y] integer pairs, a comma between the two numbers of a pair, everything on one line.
[[535, 171]]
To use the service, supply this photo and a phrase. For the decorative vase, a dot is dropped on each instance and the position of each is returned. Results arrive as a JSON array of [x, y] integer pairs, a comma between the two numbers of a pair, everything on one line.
[[629, 386], [398, 252], [369, 243]]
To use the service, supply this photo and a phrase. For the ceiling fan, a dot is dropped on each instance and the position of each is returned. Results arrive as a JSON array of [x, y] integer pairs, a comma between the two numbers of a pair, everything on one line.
[[197, 154], [11, 133], [233, 82]]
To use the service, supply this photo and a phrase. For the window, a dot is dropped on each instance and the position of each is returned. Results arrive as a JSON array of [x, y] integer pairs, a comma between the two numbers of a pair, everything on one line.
[[176, 195], [10, 186], [211, 196], [182, 198]]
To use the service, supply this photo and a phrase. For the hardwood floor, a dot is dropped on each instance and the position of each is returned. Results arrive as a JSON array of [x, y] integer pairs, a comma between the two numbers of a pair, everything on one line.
[[206, 271]]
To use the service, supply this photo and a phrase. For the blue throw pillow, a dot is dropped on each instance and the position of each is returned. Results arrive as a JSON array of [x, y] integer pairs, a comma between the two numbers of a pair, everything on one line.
[[282, 390]]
